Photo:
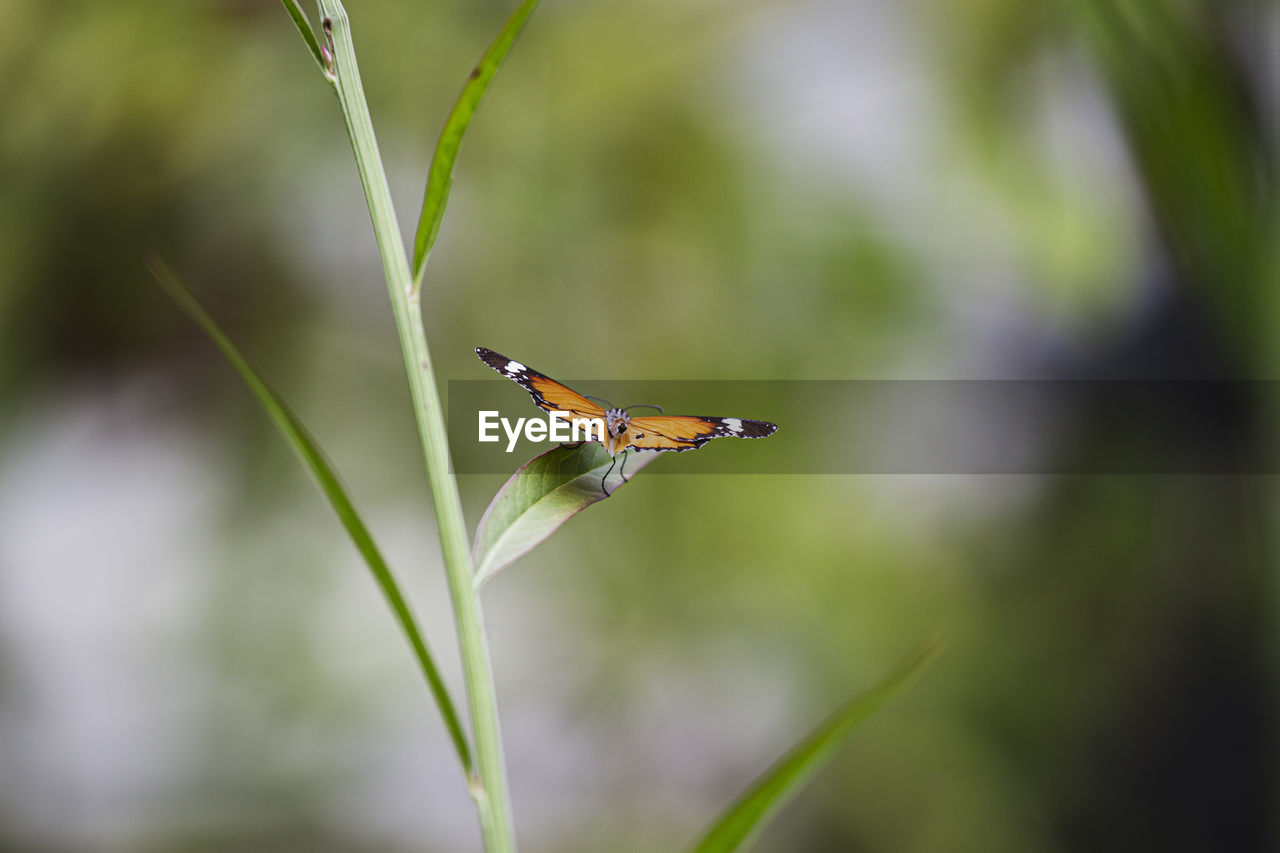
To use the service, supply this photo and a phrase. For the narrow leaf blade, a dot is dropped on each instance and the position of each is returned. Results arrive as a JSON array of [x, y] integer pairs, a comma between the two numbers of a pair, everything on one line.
[[772, 790], [440, 177], [304, 29], [543, 494], [327, 478]]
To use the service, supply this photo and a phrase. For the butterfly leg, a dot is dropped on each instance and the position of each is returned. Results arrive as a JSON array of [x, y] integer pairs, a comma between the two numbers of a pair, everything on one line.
[[603, 480]]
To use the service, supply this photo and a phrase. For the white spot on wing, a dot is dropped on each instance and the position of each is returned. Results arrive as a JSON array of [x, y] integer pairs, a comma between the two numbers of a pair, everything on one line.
[[515, 367], [734, 424]]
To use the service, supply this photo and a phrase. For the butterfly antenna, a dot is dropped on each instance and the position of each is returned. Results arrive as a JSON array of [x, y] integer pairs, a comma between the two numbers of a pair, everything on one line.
[[601, 400], [645, 406]]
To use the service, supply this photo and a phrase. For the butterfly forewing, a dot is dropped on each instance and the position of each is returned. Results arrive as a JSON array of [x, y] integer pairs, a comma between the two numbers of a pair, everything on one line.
[[686, 432], [545, 391]]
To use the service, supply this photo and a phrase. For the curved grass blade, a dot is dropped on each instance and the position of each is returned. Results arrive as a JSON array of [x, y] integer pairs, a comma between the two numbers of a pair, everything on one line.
[[769, 793], [543, 494], [440, 177], [304, 29], [309, 452]]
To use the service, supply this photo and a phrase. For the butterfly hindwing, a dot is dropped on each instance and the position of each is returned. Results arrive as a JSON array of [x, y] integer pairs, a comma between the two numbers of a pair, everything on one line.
[[688, 432], [547, 393]]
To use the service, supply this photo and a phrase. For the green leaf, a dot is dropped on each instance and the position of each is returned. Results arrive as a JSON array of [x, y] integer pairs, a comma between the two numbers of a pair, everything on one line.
[[440, 178], [543, 494], [304, 29], [758, 804], [327, 478]]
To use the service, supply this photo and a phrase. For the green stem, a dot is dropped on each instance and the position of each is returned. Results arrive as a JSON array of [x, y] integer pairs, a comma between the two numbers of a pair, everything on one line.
[[489, 785]]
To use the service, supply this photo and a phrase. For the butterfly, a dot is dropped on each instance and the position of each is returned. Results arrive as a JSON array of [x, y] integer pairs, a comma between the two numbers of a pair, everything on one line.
[[655, 433]]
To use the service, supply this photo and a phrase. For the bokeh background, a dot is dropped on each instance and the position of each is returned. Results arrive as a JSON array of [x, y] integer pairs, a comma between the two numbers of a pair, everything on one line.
[[192, 656]]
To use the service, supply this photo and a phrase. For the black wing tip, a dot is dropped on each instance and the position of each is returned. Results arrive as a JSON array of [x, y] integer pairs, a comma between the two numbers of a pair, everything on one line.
[[758, 429], [746, 427], [494, 359]]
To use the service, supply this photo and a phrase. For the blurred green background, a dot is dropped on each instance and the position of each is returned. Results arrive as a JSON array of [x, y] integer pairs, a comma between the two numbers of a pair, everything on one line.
[[192, 656]]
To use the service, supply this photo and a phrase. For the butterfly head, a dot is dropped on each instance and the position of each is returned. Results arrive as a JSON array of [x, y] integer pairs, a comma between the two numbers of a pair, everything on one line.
[[617, 425]]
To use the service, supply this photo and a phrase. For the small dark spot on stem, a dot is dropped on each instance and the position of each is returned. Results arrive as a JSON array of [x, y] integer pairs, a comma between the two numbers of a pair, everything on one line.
[[327, 52], [475, 72]]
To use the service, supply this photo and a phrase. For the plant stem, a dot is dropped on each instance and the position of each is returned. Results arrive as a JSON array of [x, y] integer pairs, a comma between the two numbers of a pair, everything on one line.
[[489, 785]]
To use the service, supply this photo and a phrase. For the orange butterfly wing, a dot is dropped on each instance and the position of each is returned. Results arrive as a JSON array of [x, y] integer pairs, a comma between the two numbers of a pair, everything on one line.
[[689, 432], [552, 396], [657, 433], [547, 393]]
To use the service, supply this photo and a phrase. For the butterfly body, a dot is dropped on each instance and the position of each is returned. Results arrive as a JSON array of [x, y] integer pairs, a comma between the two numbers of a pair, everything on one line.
[[617, 431], [653, 433]]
